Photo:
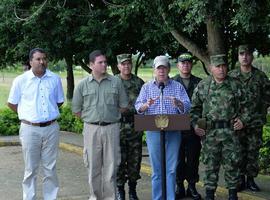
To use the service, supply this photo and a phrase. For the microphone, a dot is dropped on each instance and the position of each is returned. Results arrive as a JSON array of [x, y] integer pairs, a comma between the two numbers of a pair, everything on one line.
[[161, 86]]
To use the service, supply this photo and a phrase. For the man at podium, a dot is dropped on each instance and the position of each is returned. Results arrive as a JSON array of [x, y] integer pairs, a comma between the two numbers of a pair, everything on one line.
[[163, 96]]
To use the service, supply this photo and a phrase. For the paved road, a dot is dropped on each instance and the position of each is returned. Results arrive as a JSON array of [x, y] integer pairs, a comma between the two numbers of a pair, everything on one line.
[[73, 176], [71, 173]]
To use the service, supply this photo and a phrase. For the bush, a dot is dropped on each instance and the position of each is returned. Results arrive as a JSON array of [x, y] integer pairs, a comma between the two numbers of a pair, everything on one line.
[[9, 122], [68, 121], [264, 158]]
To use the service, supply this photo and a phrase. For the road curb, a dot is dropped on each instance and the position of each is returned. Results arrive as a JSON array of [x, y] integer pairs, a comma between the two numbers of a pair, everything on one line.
[[145, 168], [9, 143]]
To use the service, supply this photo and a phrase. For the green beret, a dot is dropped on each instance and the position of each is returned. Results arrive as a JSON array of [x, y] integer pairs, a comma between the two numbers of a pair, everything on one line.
[[185, 57], [123, 57], [219, 59]]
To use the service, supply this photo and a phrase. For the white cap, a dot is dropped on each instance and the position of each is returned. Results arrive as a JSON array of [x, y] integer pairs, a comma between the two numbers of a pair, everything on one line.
[[161, 60]]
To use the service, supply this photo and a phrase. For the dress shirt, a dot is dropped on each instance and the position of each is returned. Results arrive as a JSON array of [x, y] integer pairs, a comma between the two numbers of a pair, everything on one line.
[[36, 97], [100, 101], [172, 89]]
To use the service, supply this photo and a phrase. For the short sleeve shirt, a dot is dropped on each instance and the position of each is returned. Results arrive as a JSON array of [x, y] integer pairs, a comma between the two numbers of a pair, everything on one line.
[[36, 97], [100, 101]]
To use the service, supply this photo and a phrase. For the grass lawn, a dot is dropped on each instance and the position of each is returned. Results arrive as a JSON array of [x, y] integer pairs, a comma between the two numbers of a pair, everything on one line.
[[6, 78]]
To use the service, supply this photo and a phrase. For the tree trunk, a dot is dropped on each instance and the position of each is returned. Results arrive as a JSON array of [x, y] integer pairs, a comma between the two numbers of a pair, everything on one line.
[[70, 78], [186, 42], [84, 66], [215, 37], [138, 63]]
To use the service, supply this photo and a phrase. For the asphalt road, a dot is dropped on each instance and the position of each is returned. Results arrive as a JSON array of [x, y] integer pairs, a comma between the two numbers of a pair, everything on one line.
[[72, 176]]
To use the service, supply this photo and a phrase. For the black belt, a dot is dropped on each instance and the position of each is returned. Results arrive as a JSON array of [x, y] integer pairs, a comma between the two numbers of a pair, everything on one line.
[[41, 124], [221, 124], [101, 123]]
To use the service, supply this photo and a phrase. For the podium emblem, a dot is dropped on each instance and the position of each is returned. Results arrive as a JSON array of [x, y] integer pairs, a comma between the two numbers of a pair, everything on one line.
[[162, 121]]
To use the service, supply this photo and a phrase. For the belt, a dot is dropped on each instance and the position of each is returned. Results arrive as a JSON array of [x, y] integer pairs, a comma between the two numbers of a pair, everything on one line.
[[221, 124], [101, 123], [42, 124]]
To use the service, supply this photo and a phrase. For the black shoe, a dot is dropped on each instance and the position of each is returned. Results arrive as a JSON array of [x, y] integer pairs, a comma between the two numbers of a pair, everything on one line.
[[251, 185], [132, 191], [180, 192], [233, 194], [242, 183], [192, 192], [120, 193], [210, 194]]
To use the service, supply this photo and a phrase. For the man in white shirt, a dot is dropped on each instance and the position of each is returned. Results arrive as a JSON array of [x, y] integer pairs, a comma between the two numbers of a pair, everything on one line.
[[36, 96]]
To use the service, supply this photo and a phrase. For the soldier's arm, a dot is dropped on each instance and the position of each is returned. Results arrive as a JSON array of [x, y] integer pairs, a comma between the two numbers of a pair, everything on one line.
[[244, 97], [196, 107]]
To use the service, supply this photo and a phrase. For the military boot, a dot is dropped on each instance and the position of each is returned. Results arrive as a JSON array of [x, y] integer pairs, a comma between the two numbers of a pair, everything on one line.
[[233, 194], [252, 185], [180, 192], [242, 184], [209, 194], [192, 192], [132, 191], [120, 193]]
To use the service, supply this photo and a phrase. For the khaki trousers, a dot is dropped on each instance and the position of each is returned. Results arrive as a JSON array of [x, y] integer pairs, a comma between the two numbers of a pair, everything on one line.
[[102, 158], [40, 147]]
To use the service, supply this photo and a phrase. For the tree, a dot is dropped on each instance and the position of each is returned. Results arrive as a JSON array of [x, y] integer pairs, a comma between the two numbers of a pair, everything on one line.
[[206, 27]]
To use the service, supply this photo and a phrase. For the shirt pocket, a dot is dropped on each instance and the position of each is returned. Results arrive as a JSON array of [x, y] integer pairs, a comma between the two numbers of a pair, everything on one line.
[[111, 96], [89, 98]]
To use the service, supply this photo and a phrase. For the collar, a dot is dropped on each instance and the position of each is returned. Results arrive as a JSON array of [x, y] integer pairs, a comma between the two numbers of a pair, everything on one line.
[[107, 76], [168, 82], [31, 75], [225, 82]]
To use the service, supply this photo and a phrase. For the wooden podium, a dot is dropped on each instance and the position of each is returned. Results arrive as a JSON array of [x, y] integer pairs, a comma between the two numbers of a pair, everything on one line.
[[148, 123]]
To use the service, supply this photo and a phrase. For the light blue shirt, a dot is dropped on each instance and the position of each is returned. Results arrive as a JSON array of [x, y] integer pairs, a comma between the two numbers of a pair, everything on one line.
[[172, 89], [36, 97]]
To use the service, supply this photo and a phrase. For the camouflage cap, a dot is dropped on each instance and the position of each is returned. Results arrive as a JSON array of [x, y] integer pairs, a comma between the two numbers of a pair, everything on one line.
[[185, 57], [161, 60], [123, 57], [245, 48], [219, 59]]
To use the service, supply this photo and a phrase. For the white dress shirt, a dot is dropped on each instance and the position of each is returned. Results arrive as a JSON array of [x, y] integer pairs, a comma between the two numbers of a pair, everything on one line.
[[36, 97]]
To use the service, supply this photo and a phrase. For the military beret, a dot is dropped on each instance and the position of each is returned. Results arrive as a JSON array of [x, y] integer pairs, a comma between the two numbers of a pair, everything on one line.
[[123, 57], [185, 57]]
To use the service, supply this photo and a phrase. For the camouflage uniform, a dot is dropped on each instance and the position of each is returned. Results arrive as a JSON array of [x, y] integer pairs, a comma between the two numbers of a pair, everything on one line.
[[130, 140], [257, 85], [219, 104]]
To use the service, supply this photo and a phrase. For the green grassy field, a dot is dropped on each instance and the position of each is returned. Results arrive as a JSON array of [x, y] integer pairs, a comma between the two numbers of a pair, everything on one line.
[[6, 78]]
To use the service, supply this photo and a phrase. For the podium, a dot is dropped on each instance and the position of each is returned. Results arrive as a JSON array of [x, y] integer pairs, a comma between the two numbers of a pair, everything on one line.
[[173, 122]]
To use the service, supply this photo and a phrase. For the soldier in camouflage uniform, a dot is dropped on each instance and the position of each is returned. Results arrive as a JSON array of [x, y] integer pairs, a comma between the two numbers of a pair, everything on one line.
[[190, 148], [130, 140], [217, 111], [257, 85]]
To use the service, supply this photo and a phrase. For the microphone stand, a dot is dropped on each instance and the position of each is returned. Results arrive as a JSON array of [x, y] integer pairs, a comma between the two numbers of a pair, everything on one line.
[[163, 149]]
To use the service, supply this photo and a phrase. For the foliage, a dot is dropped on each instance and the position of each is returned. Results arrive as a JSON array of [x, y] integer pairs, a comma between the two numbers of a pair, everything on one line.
[[9, 122], [68, 121], [235, 22], [264, 158]]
